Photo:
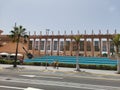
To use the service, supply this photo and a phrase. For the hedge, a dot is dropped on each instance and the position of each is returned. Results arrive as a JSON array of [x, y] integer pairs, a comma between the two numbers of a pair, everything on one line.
[[90, 66]]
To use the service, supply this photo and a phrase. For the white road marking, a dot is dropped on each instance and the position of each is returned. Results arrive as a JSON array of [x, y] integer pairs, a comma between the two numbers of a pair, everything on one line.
[[28, 75], [42, 76], [19, 88], [50, 77], [31, 88], [12, 87]]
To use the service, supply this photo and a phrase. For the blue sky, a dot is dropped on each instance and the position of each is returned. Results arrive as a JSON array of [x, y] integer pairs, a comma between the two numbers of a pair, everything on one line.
[[39, 15]]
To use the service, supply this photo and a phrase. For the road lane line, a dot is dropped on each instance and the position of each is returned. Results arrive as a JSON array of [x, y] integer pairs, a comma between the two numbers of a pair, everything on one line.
[[19, 88], [31, 88], [50, 77], [28, 75], [97, 78], [42, 76], [12, 87]]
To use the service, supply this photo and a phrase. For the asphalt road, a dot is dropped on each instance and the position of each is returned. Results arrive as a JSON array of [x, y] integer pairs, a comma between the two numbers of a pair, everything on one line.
[[35, 80]]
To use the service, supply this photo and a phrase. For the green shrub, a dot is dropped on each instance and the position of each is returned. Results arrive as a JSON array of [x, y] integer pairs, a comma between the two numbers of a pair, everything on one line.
[[102, 67], [6, 61], [67, 65]]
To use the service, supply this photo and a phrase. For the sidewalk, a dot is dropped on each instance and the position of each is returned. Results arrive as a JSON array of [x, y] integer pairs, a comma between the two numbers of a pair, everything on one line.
[[63, 69]]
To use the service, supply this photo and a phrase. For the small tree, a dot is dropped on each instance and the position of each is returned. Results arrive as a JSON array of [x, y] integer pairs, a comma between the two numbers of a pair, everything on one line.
[[17, 34], [116, 41], [77, 41]]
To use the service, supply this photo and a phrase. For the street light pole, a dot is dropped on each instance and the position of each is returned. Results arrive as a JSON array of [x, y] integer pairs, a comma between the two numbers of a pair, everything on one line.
[[47, 33]]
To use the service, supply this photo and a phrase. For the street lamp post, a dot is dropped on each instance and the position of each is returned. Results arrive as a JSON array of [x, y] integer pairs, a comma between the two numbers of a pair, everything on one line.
[[47, 33]]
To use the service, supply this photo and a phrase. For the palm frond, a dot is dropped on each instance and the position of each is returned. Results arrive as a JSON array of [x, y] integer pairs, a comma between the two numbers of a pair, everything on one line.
[[116, 40], [18, 31], [77, 38]]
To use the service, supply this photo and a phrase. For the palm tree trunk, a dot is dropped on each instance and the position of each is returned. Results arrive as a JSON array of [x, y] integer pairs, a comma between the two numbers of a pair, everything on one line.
[[77, 60], [118, 61], [118, 64], [15, 61]]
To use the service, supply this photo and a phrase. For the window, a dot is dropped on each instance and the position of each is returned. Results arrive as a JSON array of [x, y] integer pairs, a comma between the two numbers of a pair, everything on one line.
[[42, 45]]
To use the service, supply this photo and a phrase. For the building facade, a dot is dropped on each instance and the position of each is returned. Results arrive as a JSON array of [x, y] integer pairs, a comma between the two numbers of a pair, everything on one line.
[[90, 44], [64, 45]]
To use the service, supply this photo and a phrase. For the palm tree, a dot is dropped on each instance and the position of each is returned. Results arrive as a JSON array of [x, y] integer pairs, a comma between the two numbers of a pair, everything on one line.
[[116, 41], [17, 34], [77, 41]]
